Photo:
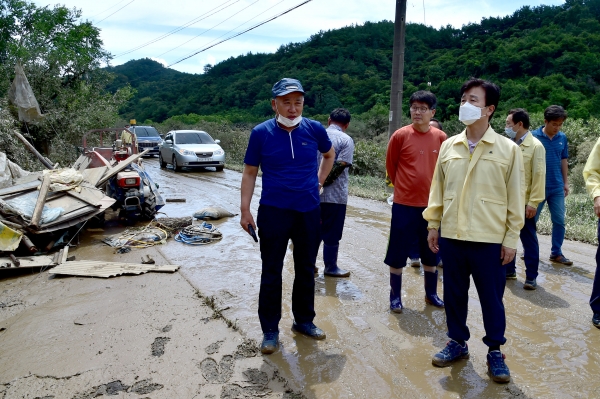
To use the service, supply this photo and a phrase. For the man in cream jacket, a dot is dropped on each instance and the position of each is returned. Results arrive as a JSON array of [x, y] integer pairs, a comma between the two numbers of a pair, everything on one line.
[[477, 199]]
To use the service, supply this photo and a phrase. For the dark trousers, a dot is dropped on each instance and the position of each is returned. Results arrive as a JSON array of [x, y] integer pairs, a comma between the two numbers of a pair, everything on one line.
[[332, 222], [276, 226], [595, 298], [531, 248], [463, 259]]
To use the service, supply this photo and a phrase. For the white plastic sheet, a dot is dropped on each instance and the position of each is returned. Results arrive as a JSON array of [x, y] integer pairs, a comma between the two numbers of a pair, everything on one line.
[[24, 206], [9, 171], [21, 95]]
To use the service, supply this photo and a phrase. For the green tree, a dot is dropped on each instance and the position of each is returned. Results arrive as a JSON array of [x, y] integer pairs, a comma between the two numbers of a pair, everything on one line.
[[62, 58]]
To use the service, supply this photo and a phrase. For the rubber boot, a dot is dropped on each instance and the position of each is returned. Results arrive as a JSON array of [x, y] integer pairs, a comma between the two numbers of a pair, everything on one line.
[[330, 254], [395, 289], [431, 296]]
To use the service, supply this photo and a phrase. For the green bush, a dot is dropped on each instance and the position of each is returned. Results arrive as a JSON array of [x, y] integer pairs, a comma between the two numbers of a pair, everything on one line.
[[369, 159]]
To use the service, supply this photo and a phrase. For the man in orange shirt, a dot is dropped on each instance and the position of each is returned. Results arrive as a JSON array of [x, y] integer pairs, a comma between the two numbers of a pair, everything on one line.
[[410, 161]]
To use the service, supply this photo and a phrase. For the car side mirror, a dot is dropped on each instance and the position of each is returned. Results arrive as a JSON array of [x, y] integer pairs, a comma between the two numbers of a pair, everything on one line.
[[217, 141], [168, 141]]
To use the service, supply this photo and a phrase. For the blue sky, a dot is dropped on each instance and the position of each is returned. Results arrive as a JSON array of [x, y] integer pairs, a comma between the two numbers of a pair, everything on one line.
[[135, 22]]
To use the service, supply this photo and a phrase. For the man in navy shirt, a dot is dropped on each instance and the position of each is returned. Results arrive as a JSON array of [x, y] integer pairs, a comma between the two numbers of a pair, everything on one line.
[[557, 181], [284, 148]]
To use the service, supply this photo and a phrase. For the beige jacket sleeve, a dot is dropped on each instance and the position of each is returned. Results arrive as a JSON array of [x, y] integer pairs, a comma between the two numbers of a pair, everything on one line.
[[435, 206], [515, 217], [591, 172], [538, 177]]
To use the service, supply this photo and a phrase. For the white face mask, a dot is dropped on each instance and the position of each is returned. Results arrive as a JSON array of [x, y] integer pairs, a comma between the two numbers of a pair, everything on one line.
[[469, 114], [510, 132], [287, 122]]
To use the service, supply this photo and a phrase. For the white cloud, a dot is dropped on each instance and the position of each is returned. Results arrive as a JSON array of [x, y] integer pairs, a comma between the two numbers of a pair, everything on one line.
[[159, 60], [144, 21]]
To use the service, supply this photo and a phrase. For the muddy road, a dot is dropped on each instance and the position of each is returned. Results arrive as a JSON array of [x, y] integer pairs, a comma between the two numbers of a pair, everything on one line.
[[552, 347]]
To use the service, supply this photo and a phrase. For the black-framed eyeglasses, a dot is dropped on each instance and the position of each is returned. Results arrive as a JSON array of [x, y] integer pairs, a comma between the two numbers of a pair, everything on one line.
[[420, 109]]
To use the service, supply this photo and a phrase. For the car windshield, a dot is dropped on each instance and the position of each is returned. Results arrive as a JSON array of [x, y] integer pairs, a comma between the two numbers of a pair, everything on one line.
[[193, 138], [146, 132]]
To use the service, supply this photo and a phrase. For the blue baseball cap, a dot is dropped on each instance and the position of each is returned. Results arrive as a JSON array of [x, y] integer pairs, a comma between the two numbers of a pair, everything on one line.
[[286, 86]]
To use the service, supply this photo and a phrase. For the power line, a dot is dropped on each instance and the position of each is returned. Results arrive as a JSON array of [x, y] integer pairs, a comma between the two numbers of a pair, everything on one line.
[[242, 24], [224, 40], [241, 33], [187, 24], [209, 29], [109, 8], [115, 12]]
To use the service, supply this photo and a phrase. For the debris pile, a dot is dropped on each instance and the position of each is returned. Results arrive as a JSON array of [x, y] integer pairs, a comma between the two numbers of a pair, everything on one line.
[[199, 234]]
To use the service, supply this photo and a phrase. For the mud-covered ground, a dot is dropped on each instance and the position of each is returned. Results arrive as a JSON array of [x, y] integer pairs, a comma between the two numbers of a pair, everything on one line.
[[369, 352], [146, 336]]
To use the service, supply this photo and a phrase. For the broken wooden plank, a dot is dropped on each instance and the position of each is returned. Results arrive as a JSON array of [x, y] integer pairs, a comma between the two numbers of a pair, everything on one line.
[[36, 217], [82, 163], [120, 166], [108, 269], [91, 196], [28, 262], [19, 188], [94, 175], [65, 254]]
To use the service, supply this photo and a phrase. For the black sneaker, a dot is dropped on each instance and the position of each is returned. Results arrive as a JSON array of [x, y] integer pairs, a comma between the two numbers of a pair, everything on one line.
[[270, 342], [596, 320], [561, 259], [451, 353], [497, 367], [530, 284], [511, 276]]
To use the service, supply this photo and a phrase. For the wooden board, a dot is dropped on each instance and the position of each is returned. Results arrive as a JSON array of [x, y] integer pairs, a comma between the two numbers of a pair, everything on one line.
[[67, 203], [27, 262], [121, 165], [108, 269], [19, 188], [91, 196], [94, 175], [81, 163]]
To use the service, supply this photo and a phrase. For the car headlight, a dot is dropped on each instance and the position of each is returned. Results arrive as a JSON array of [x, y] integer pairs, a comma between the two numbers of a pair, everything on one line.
[[219, 152], [186, 152]]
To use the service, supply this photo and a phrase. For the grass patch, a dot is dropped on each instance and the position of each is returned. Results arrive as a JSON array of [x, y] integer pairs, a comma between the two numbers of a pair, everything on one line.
[[580, 221], [368, 187]]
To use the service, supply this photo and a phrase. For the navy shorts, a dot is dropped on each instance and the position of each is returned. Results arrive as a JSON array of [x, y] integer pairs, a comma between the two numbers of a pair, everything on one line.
[[408, 223]]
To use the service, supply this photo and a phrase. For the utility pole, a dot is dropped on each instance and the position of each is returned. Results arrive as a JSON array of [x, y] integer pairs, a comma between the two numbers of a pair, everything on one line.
[[397, 68]]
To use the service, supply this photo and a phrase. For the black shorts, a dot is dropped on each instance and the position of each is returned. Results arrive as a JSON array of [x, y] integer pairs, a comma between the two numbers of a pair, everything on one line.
[[408, 224]]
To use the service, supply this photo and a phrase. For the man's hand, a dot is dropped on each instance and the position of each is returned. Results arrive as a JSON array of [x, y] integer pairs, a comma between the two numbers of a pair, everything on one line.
[[597, 206], [530, 212], [507, 254], [432, 240], [566, 189], [247, 219]]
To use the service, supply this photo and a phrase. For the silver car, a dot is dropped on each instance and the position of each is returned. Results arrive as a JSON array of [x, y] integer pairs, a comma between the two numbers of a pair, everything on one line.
[[191, 149]]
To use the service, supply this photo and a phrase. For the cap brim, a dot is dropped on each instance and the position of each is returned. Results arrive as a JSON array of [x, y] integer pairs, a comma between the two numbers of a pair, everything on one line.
[[288, 92]]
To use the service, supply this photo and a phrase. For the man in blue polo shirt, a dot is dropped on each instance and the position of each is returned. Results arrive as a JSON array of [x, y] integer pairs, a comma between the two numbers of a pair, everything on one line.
[[284, 148], [557, 181]]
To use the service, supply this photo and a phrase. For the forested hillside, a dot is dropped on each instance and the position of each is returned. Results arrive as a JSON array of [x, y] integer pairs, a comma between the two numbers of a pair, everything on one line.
[[539, 56]]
